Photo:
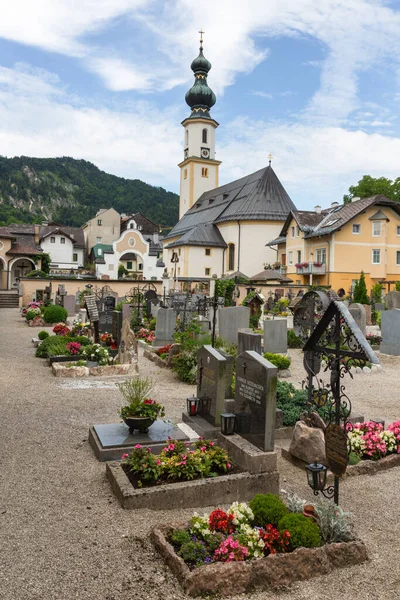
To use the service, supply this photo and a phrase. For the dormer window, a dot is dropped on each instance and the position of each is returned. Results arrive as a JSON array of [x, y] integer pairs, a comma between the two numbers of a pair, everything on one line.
[[211, 200]]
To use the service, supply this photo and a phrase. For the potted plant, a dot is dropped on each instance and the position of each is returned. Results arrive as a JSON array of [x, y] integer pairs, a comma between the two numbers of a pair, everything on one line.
[[140, 411]]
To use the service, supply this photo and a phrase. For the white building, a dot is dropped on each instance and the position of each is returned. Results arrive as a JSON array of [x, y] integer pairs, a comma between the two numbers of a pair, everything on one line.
[[66, 246], [221, 229]]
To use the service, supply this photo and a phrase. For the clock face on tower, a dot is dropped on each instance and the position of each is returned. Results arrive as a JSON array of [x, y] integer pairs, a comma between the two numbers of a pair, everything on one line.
[[205, 153]]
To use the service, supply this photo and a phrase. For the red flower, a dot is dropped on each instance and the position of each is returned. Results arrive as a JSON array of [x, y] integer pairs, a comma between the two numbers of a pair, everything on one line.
[[221, 521]]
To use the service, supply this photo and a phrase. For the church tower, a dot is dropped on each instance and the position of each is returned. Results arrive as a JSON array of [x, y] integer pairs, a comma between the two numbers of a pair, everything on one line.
[[199, 169]]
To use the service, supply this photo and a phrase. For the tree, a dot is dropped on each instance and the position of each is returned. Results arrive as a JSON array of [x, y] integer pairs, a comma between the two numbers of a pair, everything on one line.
[[360, 291], [376, 293], [371, 186]]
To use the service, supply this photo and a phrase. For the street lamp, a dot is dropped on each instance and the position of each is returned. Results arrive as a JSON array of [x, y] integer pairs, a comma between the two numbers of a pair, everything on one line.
[[175, 260]]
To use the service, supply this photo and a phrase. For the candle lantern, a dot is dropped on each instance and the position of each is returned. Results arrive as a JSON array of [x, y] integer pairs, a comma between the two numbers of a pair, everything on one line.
[[192, 404], [316, 476], [228, 423]]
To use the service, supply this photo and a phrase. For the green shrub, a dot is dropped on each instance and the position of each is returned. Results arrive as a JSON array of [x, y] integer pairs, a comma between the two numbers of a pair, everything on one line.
[[303, 531], [152, 324], [31, 314], [37, 274], [282, 362], [55, 314], [54, 345], [291, 401], [193, 553], [293, 340], [185, 365], [42, 335], [334, 524], [179, 537], [267, 509]]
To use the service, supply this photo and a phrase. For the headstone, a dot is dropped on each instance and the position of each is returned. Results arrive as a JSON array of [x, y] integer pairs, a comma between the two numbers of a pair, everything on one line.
[[275, 336], [379, 306], [368, 313], [249, 341], [128, 348], [390, 327], [392, 300], [69, 303], [211, 383], [126, 311], [230, 362], [358, 313], [231, 319], [82, 315], [91, 306], [255, 397], [165, 327], [154, 308], [105, 321], [117, 326]]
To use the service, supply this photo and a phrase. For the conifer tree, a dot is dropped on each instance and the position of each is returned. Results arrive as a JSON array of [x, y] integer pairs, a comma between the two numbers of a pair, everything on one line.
[[360, 291]]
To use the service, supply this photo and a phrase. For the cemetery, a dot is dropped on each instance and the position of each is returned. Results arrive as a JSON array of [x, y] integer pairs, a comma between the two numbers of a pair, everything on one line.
[[251, 405]]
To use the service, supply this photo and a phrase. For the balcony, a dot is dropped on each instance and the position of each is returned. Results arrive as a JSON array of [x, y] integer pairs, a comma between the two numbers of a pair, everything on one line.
[[311, 268]]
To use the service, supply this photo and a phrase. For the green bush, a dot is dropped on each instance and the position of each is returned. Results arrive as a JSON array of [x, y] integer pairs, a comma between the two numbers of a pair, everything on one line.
[[282, 362], [179, 537], [56, 345], [267, 509], [42, 335], [303, 531], [193, 553], [55, 314], [185, 365], [291, 401], [293, 340], [31, 314], [37, 274]]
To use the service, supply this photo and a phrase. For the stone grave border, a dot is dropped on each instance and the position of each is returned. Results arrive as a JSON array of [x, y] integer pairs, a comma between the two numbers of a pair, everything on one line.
[[273, 571], [60, 370], [258, 472]]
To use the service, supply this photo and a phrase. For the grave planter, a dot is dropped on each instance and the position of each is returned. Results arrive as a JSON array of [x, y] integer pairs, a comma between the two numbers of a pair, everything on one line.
[[273, 571], [138, 423]]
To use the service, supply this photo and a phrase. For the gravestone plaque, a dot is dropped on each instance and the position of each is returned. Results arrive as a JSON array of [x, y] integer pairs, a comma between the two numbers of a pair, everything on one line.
[[390, 328], [249, 341], [105, 321], [165, 327], [211, 384], [336, 449], [91, 307], [392, 300], [230, 320], [275, 335], [255, 397], [358, 313], [128, 348], [109, 303]]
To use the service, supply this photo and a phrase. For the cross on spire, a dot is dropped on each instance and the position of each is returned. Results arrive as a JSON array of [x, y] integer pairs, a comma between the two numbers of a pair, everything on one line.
[[270, 157], [201, 36]]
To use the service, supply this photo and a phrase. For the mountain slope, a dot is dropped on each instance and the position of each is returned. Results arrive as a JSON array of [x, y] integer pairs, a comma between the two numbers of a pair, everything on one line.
[[70, 191]]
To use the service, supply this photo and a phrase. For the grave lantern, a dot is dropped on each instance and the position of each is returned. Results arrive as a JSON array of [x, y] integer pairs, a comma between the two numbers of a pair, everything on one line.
[[316, 476], [228, 423], [192, 404]]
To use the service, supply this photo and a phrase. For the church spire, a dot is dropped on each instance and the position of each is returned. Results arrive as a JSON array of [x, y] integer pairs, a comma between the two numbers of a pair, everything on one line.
[[200, 97]]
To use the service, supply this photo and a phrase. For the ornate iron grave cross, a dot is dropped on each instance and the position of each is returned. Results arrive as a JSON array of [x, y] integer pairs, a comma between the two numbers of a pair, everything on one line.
[[339, 342]]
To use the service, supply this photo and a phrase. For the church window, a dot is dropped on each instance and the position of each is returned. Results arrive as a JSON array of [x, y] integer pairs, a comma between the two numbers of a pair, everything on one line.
[[205, 136], [208, 251], [204, 172], [187, 137], [185, 174], [207, 271], [231, 257]]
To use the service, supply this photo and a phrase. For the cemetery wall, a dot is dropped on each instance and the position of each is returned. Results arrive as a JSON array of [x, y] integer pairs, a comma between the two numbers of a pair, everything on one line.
[[121, 287]]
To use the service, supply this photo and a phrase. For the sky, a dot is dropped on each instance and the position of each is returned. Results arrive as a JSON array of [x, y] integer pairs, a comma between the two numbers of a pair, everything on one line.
[[314, 82]]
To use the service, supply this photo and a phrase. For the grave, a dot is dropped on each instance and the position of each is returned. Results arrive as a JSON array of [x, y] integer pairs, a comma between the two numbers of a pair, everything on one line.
[[165, 327], [128, 348], [230, 320], [392, 300], [255, 399], [126, 312], [211, 390], [275, 335], [249, 341], [111, 440], [69, 303], [117, 326], [105, 321], [358, 313], [390, 328]]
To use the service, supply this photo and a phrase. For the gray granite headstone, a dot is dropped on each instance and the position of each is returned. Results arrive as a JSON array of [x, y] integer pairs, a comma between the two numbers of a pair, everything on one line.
[[275, 335], [211, 383], [230, 320], [392, 300], [105, 321], [358, 313], [165, 327], [69, 303], [249, 341], [390, 327], [255, 399]]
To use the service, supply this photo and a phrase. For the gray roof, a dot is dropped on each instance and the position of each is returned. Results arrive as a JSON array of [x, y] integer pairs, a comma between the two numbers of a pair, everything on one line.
[[205, 234], [75, 233], [277, 241], [233, 275], [379, 215], [271, 275], [259, 196]]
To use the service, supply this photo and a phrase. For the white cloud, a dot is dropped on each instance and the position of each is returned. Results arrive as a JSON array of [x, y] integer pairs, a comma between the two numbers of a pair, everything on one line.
[[262, 94]]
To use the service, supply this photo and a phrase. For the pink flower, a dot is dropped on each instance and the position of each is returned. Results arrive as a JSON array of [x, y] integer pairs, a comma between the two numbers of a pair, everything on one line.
[[228, 465], [203, 448], [212, 444], [159, 462], [124, 456], [138, 446]]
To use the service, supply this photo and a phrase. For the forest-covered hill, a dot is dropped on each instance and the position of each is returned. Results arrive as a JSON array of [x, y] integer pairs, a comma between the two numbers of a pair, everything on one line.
[[70, 191]]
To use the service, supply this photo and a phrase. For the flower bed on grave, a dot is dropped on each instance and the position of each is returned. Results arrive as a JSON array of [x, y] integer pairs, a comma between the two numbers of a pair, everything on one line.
[[373, 448], [267, 543]]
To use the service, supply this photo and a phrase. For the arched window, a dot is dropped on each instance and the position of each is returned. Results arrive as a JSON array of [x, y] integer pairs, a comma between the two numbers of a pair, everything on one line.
[[186, 137], [205, 136], [231, 257]]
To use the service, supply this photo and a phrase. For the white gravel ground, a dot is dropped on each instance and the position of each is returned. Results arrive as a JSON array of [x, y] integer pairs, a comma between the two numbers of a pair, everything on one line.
[[63, 535]]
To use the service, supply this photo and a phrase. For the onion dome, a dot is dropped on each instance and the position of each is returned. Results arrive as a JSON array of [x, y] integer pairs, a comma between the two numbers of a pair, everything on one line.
[[200, 97]]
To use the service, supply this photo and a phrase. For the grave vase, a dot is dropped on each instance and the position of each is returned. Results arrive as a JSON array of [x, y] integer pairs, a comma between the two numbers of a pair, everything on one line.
[[140, 424]]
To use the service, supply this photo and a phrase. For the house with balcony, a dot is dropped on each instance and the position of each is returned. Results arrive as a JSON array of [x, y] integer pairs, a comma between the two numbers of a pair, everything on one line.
[[332, 246]]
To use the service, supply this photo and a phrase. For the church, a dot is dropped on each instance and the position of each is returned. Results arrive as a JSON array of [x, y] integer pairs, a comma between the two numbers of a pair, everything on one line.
[[222, 230]]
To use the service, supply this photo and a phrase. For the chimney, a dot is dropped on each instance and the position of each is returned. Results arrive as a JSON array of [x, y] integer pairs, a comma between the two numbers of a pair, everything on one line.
[[334, 204], [355, 198], [36, 230], [318, 209]]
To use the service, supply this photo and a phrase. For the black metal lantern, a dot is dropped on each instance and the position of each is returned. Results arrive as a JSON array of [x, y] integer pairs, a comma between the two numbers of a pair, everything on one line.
[[228, 423], [316, 476], [192, 404]]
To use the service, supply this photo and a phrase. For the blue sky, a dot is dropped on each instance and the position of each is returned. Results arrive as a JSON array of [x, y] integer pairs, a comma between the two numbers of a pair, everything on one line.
[[316, 83]]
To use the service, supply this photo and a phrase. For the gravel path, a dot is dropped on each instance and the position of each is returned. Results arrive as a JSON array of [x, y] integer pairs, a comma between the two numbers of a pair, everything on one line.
[[62, 533]]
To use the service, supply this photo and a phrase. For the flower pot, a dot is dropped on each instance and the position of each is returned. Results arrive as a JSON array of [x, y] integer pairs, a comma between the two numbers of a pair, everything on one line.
[[140, 424]]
